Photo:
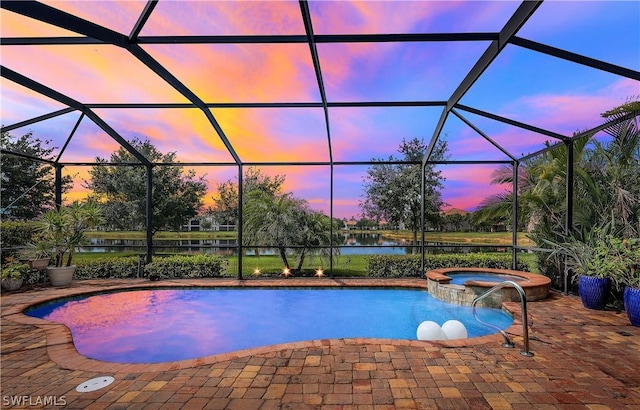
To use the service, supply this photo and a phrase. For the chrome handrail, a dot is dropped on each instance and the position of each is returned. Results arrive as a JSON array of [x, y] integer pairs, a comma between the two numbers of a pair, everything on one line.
[[523, 302]]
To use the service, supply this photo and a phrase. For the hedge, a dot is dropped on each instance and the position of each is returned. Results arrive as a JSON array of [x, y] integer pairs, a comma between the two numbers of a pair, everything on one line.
[[16, 234], [396, 266], [107, 268], [187, 266]]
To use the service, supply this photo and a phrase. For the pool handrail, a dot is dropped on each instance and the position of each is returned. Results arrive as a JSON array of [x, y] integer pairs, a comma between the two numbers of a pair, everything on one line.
[[523, 301]]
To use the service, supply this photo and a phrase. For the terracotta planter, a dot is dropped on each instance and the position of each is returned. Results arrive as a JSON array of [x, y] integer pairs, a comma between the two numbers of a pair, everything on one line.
[[60, 276], [12, 284], [632, 305]]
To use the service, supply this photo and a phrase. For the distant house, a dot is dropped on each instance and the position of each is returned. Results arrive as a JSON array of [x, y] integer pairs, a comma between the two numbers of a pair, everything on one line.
[[350, 224], [206, 223]]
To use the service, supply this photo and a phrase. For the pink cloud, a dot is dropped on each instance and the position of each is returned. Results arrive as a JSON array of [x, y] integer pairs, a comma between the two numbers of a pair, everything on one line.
[[576, 111], [116, 15], [408, 16], [91, 73], [230, 17], [242, 72]]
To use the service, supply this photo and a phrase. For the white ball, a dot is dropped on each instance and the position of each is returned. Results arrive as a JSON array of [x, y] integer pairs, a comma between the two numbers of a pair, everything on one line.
[[429, 330], [454, 329]]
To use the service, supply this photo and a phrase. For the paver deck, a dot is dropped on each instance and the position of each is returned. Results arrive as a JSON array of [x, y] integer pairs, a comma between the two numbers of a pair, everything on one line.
[[583, 359]]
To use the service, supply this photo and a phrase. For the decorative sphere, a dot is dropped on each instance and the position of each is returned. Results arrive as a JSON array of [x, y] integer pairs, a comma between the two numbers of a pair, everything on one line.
[[429, 330], [454, 329]]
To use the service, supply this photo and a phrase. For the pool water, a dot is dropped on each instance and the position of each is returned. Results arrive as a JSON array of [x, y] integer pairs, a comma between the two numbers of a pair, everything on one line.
[[159, 325], [461, 278]]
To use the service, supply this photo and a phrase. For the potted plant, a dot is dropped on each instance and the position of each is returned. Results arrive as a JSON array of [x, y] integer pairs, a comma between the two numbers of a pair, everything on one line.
[[13, 274], [37, 255], [628, 278], [62, 232], [595, 261]]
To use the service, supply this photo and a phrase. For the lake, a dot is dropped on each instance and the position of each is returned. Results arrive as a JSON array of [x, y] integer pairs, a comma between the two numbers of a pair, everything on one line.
[[352, 244]]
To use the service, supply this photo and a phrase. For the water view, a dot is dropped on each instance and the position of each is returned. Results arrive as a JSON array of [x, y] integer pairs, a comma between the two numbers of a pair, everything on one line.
[[352, 244]]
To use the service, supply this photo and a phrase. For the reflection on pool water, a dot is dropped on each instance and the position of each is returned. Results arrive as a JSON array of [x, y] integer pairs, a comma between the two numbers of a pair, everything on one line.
[[159, 325], [461, 278]]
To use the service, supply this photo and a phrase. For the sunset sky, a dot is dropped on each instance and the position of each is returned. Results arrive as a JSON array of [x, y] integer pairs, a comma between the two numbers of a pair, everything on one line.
[[520, 84]]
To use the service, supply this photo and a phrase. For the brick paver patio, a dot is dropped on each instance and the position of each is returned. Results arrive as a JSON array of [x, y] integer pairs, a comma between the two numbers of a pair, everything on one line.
[[583, 360]]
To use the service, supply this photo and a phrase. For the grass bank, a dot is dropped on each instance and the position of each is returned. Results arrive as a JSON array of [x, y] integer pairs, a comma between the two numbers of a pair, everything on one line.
[[467, 238]]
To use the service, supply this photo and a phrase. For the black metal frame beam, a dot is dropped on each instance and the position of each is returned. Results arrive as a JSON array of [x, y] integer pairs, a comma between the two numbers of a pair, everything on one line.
[[517, 20], [142, 19], [37, 119], [313, 50], [482, 134], [257, 39], [73, 131], [55, 95], [51, 15], [576, 58], [513, 122], [583, 134]]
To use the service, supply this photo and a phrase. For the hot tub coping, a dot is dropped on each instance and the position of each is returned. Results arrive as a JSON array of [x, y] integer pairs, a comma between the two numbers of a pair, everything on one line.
[[532, 279]]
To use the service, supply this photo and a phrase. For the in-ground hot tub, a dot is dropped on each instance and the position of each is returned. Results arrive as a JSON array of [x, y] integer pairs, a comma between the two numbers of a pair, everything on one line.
[[462, 285]]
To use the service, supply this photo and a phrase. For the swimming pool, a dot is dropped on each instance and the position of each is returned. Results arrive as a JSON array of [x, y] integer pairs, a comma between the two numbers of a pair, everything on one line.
[[160, 325]]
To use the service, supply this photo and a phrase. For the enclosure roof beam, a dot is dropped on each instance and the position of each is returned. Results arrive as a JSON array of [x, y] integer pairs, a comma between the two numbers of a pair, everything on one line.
[[340, 104], [38, 119], [55, 95], [31, 157], [51, 15], [576, 58], [520, 16], [157, 68], [70, 22], [513, 122], [517, 20], [485, 136], [583, 134], [258, 39], [308, 26], [144, 16]]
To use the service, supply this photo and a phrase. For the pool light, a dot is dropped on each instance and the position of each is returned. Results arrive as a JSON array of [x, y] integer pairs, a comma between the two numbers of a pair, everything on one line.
[[319, 272], [429, 330], [286, 272]]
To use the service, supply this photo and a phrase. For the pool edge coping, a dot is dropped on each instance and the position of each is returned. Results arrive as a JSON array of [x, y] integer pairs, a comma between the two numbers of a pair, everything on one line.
[[61, 349]]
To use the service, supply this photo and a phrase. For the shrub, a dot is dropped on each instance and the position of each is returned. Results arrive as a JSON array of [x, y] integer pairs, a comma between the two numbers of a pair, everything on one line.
[[107, 268], [187, 266], [409, 265], [15, 235]]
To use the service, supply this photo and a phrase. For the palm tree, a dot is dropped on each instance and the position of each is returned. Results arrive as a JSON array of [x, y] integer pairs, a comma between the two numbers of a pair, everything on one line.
[[284, 222], [272, 220]]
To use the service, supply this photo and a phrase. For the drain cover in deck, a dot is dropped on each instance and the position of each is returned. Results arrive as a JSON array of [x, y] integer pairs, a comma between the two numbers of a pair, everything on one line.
[[94, 384]]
